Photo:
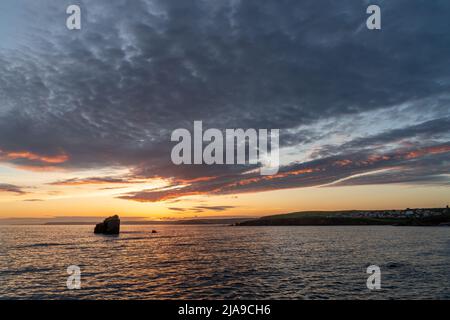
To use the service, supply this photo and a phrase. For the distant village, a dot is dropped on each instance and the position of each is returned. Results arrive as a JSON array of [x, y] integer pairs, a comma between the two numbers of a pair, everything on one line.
[[397, 214]]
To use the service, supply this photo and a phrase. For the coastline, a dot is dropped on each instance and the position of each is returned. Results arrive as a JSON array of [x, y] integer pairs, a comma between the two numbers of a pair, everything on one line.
[[408, 217]]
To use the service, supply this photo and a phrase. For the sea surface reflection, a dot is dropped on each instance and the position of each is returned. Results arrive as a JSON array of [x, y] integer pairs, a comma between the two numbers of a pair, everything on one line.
[[208, 262]]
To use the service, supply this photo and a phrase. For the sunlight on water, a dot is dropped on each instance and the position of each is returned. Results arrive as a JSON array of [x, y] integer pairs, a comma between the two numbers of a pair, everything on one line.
[[206, 262]]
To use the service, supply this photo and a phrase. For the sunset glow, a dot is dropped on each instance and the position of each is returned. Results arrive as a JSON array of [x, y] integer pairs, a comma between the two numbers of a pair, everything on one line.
[[86, 116]]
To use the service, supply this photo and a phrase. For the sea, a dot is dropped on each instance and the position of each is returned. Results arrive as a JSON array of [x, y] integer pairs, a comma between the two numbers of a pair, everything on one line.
[[224, 262]]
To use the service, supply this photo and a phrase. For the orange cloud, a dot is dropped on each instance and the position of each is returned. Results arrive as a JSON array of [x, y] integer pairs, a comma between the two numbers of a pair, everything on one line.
[[94, 180], [40, 168], [374, 158], [343, 163], [199, 179], [425, 151], [26, 155], [257, 179]]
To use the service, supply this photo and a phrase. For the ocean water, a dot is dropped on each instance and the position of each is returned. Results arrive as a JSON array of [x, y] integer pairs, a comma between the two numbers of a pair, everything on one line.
[[222, 262]]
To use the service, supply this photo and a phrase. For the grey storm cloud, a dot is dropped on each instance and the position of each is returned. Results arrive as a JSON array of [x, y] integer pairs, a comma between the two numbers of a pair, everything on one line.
[[111, 93]]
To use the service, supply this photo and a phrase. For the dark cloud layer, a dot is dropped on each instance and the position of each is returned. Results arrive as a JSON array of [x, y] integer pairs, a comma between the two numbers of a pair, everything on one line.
[[92, 180], [110, 94], [198, 209]]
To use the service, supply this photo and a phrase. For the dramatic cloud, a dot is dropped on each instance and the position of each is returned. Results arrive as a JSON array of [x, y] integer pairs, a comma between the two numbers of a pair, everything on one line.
[[347, 100], [31, 157], [429, 164]]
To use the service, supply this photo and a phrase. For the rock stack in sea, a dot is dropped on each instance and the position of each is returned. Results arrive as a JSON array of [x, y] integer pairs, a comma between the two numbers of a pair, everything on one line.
[[110, 225]]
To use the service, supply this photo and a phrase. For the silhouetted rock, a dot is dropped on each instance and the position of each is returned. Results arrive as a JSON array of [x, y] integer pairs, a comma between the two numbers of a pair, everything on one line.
[[110, 225]]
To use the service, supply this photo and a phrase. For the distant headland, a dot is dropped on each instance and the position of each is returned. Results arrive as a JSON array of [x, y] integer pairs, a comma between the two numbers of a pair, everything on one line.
[[407, 217]]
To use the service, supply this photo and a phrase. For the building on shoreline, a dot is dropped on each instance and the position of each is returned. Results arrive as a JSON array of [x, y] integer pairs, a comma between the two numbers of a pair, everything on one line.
[[396, 214]]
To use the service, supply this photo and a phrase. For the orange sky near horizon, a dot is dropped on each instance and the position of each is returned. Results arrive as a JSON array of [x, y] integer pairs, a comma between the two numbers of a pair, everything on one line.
[[43, 199]]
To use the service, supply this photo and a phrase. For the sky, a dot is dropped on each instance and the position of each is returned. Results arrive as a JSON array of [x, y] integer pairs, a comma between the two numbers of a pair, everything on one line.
[[86, 115]]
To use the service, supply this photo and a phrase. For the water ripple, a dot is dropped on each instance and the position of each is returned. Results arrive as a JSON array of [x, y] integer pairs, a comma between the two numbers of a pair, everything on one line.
[[217, 262]]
